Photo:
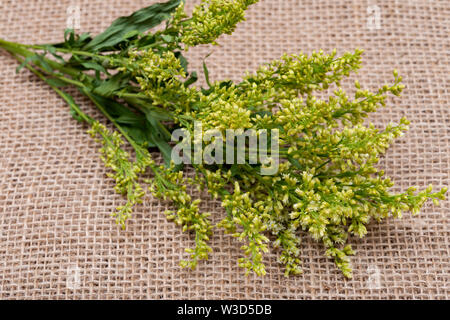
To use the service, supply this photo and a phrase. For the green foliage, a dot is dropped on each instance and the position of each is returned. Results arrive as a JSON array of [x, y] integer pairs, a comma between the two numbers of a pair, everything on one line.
[[127, 27], [169, 184], [211, 19]]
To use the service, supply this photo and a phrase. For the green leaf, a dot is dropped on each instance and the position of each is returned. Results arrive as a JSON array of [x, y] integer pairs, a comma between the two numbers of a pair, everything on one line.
[[69, 35], [158, 128], [73, 41], [84, 37], [140, 134], [167, 38], [157, 115], [119, 112], [206, 71], [38, 60], [184, 64], [140, 21], [183, 61], [163, 146], [52, 50], [146, 40], [44, 65], [235, 170], [132, 119], [131, 34]]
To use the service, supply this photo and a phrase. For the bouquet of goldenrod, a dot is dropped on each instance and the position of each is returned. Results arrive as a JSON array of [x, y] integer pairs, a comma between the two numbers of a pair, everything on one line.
[[313, 167]]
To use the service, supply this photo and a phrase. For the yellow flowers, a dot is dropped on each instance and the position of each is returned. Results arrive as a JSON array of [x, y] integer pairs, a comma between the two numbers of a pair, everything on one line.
[[213, 18]]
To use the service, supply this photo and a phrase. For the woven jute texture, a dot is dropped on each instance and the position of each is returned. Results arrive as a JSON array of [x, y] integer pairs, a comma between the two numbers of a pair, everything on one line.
[[58, 241]]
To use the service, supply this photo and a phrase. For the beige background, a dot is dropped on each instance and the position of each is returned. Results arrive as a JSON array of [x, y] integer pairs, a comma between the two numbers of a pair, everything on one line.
[[55, 199]]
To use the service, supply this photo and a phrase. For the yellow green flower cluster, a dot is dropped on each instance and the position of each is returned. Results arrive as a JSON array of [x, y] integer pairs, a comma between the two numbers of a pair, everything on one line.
[[169, 184], [327, 183], [125, 172]]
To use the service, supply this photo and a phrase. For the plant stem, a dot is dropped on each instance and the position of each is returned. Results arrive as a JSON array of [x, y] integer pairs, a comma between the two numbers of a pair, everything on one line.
[[21, 50]]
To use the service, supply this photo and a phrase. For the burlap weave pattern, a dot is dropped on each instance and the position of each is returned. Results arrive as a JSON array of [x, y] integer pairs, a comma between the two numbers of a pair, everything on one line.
[[55, 199]]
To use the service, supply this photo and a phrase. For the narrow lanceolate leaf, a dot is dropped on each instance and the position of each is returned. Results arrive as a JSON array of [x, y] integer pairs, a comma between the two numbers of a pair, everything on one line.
[[94, 66], [71, 40], [183, 61], [38, 59], [138, 22]]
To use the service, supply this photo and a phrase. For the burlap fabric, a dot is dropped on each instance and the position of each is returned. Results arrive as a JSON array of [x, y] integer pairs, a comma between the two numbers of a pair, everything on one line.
[[57, 240]]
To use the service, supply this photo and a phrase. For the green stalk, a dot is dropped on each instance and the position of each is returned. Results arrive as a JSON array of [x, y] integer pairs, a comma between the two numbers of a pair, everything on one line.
[[84, 116], [4, 43], [21, 50]]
